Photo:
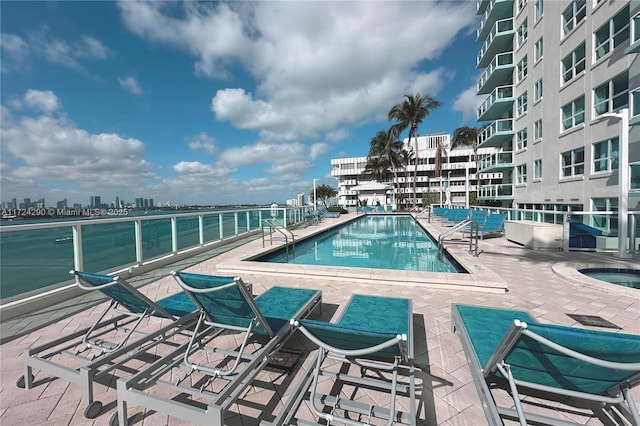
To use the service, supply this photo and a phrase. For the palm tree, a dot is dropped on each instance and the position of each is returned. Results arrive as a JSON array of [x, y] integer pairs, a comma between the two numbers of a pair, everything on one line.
[[377, 167], [440, 157], [386, 145], [466, 136], [409, 114]]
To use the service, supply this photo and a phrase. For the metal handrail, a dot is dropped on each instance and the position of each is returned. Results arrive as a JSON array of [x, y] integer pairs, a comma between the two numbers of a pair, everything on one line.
[[280, 230], [458, 226], [473, 236]]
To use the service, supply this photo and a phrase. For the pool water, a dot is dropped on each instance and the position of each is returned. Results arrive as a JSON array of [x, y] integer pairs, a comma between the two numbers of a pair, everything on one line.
[[623, 277], [373, 241]]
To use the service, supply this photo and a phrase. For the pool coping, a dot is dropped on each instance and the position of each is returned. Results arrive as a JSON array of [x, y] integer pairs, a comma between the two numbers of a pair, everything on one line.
[[477, 278]]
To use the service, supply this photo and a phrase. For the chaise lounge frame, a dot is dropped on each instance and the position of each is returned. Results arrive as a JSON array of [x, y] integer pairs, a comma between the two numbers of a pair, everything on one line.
[[104, 357], [138, 389], [381, 352], [525, 330]]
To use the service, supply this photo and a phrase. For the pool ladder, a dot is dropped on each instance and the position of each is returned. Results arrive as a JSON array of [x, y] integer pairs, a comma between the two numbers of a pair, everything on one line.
[[473, 236], [281, 230]]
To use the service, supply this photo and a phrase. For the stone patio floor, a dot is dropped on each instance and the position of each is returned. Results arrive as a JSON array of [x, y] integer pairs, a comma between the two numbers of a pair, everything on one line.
[[503, 275]]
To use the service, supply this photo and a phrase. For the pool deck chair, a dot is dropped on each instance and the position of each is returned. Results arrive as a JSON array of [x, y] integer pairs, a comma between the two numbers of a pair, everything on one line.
[[553, 364], [235, 338], [493, 226], [374, 335], [92, 355]]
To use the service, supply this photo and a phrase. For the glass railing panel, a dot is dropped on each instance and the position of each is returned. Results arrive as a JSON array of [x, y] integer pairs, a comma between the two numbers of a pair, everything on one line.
[[211, 224], [243, 222], [156, 238], [188, 232], [504, 125], [228, 225], [35, 259], [106, 246], [500, 27]]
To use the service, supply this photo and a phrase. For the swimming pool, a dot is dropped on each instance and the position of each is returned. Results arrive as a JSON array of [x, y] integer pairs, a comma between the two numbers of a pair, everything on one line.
[[372, 241], [618, 276]]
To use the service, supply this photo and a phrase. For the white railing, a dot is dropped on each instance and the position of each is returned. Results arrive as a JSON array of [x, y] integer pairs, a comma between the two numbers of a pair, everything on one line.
[[39, 255]]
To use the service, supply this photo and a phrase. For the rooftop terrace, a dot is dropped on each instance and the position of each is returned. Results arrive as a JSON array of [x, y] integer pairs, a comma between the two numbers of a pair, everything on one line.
[[503, 275]]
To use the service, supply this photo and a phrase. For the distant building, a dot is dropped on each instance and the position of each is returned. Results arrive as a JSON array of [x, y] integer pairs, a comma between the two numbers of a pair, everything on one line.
[[95, 201], [458, 176], [62, 204]]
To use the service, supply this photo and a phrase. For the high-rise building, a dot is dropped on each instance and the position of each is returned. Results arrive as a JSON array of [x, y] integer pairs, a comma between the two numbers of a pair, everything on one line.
[[117, 202], [95, 201], [554, 72]]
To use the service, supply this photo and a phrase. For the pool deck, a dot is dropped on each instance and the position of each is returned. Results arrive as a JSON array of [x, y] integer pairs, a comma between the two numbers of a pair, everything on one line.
[[503, 275]]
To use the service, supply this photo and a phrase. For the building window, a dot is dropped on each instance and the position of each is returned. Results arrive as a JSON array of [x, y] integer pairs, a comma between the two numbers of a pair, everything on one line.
[[521, 173], [605, 222], [537, 169], [537, 130], [522, 34], [635, 25], [612, 95], [522, 69], [537, 90], [573, 113], [635, 102], [573, 64], [537, 11], [521, 104], [537, 50], [605, 156], [573, 163], [573, 15], [520, 5], [612, 34], [521, 139]]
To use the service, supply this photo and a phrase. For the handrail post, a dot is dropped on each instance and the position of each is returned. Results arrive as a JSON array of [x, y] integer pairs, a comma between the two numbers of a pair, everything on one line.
[[201, 229], [174, 234], [138, 242], [77, 247], [221, 225], [566, 232]]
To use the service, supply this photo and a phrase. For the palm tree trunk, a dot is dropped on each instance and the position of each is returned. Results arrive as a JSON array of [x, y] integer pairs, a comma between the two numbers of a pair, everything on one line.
[[415, 171]]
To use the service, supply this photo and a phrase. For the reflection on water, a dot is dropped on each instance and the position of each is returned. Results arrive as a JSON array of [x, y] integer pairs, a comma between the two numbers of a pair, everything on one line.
[[377, 241]]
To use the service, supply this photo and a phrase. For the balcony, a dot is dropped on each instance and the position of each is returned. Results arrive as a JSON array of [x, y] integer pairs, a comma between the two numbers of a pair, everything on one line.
[[499, 72], [496, 10], [496, 162], [496, 192], [496, 133], [497, 104], [499, 40], [481, 6]]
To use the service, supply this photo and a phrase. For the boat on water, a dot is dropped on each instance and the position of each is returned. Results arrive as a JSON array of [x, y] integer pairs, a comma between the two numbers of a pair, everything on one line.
[[66, 239]]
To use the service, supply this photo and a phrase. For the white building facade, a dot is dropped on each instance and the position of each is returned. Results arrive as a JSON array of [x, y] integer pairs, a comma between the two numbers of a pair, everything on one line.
[[355, 187], [553, 70]]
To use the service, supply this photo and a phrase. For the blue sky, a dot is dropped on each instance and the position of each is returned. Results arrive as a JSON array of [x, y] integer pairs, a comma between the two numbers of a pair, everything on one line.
[[216, 103]]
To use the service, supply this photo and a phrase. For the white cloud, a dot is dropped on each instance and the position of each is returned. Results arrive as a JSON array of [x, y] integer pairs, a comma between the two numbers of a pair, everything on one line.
[[315, 71], [262, 152], [202, 143], [131, 85], [468, 102], [17, 50], [42, 100], [45, 148]]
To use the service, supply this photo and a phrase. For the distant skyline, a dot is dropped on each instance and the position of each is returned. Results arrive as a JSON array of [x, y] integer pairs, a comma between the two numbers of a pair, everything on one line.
[[216, 103]]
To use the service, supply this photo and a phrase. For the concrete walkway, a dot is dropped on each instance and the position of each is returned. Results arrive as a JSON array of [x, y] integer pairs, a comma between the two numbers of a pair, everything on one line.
[[503, 275]]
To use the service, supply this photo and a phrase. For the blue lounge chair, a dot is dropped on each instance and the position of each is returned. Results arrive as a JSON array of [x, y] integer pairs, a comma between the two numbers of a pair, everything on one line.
[[493, 226], [374, 334], [510, 350], [93, 354], [225, 306]]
